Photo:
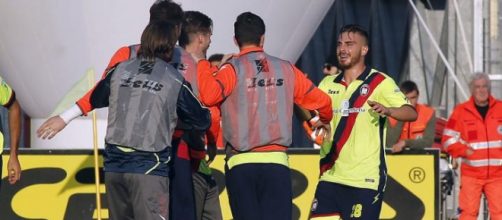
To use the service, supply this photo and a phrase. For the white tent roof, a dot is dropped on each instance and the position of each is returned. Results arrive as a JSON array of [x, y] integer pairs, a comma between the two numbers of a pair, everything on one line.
[[46, 46]]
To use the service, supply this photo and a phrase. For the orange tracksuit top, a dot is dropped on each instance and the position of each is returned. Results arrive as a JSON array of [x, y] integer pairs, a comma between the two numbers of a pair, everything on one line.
[[467, 129], [215, 87], [415, 129], [123, 54]]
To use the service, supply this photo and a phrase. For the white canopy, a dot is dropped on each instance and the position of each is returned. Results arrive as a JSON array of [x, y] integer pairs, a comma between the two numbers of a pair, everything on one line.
[[46, 46]]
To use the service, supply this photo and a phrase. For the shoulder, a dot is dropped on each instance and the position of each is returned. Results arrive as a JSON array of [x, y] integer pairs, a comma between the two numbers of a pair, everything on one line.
[[170, 69], [270, 57], [497, 107], [460, 108], [120, 55], [230, 65], [425, 110], [387, 83], [179, 49], [385, 78], [327, 80], [126, 50], [426, 107], [2, 82], [4, 86], [498, 103], [275, 59]]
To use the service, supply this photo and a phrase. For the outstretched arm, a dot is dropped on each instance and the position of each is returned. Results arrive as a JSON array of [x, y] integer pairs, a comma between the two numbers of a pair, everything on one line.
[[403, 113], [97, 98]]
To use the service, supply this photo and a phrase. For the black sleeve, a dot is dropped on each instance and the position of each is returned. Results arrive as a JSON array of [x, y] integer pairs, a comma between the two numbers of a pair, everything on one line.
[[101, 93], [190, 111]]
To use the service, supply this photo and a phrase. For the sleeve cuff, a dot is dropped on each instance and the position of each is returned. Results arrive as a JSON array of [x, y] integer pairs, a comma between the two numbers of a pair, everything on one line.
[[71, 113]]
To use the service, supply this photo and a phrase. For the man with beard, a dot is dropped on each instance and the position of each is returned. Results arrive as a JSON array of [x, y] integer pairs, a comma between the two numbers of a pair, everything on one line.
[[353, 171], [195, 39]]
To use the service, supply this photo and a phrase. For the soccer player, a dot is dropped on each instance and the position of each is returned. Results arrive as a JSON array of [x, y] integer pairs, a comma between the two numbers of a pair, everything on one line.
[[138, 137], [257, 92], [195, 39], [353, 169]]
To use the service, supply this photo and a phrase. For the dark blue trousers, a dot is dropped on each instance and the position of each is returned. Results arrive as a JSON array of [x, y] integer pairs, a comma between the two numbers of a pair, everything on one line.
[[182, 202], [260, 191]]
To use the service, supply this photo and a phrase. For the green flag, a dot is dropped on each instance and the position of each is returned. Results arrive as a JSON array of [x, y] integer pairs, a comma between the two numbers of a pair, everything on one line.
[[76, 92]]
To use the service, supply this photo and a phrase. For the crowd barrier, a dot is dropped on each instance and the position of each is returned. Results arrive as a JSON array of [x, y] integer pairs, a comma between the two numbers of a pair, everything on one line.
[[59, 184]]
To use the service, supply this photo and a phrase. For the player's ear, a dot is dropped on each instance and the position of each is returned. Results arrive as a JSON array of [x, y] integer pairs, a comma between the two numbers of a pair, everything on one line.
[[262, 41], [236, 42], [364, 50]]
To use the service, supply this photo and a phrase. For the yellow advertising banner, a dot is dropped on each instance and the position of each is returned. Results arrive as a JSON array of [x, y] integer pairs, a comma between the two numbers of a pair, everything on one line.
[[59, 184]]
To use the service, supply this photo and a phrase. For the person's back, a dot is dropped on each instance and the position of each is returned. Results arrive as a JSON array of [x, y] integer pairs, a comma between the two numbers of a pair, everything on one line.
[[146, 97], [259, 112], [257, 92], [148, 89]]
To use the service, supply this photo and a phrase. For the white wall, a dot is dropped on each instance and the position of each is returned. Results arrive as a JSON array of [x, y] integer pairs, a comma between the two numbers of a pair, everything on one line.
[[46, 46]]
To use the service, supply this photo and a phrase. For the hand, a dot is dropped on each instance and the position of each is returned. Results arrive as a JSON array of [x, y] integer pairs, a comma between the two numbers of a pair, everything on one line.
[[13, 169], [318, 125], [469, 151], [225, 58], [51, 127], [379, 108], [398, 147], [332, 70], [211, 153], [454, 163]]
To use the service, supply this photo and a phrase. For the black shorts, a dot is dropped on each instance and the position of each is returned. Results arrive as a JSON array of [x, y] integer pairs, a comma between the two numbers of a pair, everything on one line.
[[332, 199]]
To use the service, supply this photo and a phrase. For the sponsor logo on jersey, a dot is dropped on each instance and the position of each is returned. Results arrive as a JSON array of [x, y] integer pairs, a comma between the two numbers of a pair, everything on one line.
[[261, 65], [345, 112], [264, 82], [147, 85], [333, 92]]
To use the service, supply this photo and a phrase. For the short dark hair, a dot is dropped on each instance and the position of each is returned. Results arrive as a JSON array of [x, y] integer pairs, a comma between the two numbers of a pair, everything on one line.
[[248, 29], [194, 22], [354, 28], [408, 86], [157, 41], [217, 57], [166, 10]]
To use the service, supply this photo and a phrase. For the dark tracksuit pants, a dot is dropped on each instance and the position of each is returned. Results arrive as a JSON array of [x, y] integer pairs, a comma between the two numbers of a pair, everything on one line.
[[260, 191]]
